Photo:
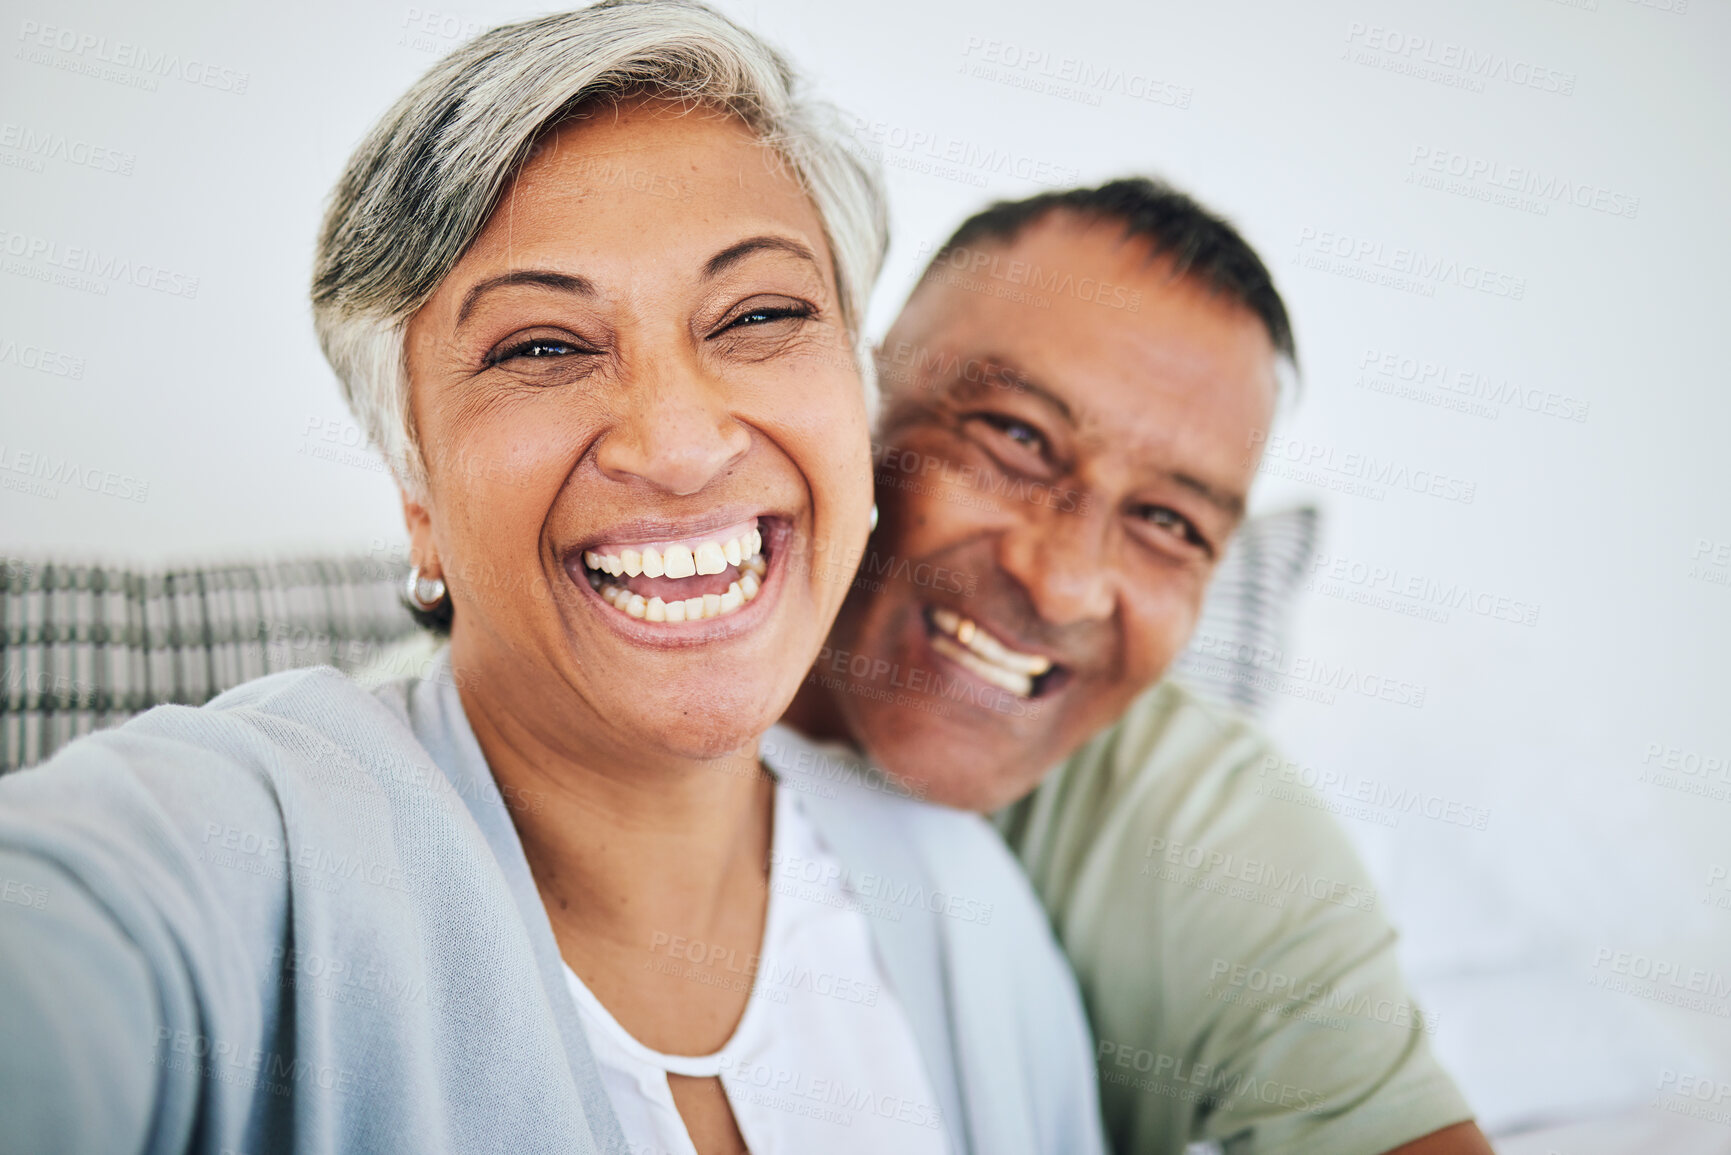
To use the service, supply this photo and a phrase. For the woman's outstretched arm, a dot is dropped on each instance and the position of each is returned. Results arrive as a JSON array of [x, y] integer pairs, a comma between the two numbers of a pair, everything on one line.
[[80, 1016]]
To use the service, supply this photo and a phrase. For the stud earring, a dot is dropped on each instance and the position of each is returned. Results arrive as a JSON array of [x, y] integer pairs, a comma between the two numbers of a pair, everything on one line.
[[424, 593], [874, 518]]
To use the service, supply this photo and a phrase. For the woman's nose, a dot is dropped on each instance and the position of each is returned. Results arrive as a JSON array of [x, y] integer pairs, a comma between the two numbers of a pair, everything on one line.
[[675, 430]]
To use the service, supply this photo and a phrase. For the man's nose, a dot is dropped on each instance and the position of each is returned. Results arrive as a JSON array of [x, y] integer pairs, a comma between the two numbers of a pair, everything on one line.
[[675, 430], [1061, 560]]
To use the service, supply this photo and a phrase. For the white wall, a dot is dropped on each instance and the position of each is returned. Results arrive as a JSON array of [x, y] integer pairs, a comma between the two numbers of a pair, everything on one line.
[[1303, 125]]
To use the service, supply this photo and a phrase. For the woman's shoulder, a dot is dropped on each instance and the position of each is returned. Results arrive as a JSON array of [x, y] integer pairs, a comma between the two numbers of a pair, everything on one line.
[[222, 784]]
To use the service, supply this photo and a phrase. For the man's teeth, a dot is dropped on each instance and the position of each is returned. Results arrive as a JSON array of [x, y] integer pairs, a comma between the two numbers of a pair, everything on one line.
[[964, 642], [1018, 684], [678, 561]]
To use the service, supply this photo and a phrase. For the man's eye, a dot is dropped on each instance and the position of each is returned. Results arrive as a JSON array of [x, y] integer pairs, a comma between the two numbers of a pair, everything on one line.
[[1166, 518], [1018, 432]]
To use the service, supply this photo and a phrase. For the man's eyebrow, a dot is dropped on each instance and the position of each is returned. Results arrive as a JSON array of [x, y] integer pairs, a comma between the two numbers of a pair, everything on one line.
[[1007, 376], [1224, 500], [735, 253], [546, 278]]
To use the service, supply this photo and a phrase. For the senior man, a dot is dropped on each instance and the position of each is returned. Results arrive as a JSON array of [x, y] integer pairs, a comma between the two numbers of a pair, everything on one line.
[[1075, 395]]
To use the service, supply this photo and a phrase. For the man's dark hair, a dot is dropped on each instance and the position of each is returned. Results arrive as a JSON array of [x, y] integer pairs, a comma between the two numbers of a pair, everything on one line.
[[1201, 245]]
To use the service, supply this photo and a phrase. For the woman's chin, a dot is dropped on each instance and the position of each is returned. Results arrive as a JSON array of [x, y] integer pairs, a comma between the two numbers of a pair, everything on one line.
[[701, 735]]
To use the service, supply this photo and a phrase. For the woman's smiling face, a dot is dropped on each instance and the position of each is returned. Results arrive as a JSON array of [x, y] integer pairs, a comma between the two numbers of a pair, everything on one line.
[[641, 418]]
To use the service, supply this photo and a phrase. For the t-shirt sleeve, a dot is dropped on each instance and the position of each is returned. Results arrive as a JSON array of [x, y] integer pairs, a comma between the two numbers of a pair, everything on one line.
[[1238, 969], [1282, 981]]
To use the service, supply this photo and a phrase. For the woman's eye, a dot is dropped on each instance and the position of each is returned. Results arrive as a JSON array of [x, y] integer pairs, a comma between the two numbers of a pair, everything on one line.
[[764, 316], [539, 349]]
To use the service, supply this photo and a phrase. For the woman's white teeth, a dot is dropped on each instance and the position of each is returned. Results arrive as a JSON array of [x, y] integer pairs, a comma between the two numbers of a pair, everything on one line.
[[679, 561], [988, 651], [693, 609]]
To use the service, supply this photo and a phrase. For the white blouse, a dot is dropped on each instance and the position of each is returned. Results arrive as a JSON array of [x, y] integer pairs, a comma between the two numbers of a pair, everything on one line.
[[823, 1058]]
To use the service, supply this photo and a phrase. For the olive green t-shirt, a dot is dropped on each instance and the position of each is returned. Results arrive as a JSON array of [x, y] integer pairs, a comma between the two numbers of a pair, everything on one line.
[[1232, 949]]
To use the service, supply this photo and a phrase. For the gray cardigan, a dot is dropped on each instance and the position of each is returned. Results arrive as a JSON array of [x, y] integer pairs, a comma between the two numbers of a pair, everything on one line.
[[299, 919]]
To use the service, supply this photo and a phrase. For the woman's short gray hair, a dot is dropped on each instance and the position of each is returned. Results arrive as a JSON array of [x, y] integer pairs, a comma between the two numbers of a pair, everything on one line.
[[421, 186]]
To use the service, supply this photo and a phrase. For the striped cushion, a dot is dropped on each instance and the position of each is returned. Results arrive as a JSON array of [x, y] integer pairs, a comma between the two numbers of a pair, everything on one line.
[[1247, 608], [83, 647]]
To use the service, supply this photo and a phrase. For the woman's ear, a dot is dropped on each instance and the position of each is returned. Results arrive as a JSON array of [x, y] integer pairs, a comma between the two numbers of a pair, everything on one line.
[[423, 553]]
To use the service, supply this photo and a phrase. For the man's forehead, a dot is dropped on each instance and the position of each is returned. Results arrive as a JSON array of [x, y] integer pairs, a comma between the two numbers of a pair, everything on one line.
[[1124, 379], [1067, 300], [1154, 370]]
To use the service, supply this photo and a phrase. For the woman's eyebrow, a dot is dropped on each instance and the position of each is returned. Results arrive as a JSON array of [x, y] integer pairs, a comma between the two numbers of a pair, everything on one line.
[[547, 278], [735, 253]]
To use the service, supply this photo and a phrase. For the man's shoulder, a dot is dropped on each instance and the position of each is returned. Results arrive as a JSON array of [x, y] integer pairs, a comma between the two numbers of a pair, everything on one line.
[[1170, 738], [1179, 814], [1172, 766]]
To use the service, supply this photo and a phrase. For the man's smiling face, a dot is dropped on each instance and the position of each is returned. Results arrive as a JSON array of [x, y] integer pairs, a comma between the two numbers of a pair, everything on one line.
[[1059, 474]]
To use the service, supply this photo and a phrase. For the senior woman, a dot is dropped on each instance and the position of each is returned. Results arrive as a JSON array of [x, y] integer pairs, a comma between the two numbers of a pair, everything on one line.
[[594, 285]]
